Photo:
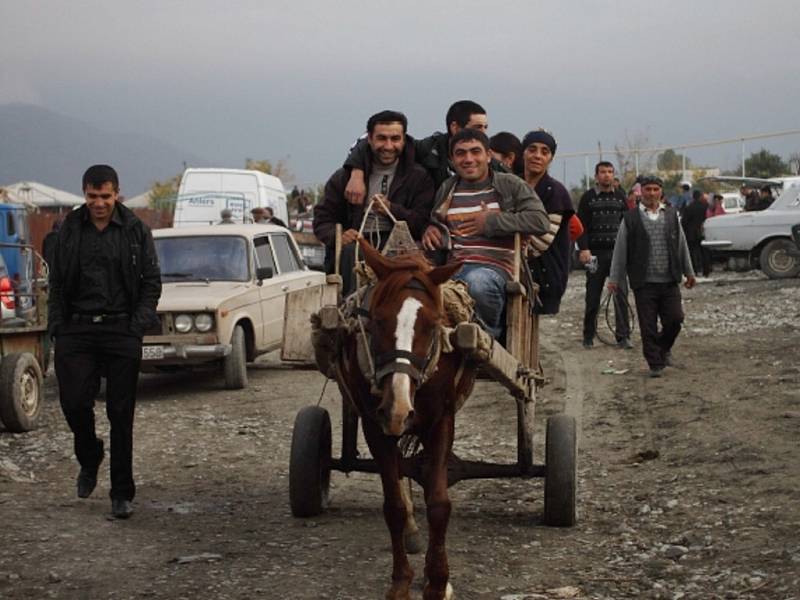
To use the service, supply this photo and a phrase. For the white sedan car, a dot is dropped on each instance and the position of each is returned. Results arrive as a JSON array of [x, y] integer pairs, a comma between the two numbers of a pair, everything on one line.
[[224, 296], [762, 238]]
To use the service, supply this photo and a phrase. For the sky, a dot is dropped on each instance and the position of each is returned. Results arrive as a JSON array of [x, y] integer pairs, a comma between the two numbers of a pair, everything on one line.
[[229, 80]]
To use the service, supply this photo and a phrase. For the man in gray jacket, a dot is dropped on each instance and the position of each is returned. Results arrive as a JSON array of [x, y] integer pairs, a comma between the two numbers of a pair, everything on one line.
[[475, 216], [651, 249]]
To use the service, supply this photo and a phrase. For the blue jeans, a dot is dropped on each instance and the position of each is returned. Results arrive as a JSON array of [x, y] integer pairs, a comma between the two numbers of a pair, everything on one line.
[[487, 286]]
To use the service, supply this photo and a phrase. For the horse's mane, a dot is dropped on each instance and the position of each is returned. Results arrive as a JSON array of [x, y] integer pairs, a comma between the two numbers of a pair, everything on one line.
[[404, 269]]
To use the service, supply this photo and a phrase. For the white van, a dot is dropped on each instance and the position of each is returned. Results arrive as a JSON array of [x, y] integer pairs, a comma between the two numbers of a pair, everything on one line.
[[204, 193]]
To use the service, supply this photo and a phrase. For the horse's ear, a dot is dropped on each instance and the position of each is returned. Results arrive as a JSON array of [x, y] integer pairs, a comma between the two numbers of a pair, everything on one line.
[[441, 274], [375, 260]]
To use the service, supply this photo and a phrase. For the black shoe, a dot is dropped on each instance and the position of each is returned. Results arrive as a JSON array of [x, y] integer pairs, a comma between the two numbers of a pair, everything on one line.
[[588, 343], [121, 508], [625, 344], [656, 371], [87, 478]]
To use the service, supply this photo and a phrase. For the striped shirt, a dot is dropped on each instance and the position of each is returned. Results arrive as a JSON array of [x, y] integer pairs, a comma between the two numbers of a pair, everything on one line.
[[467, 199]]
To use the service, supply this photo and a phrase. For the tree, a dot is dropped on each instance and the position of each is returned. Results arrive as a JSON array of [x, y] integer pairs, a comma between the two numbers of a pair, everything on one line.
[[163, 193], [669, 160], [629, 156], [765, 164], [576, 191], [279, 169]]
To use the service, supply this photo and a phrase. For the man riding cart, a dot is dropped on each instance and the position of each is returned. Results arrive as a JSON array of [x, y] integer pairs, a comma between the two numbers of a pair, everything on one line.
[[405, 359]]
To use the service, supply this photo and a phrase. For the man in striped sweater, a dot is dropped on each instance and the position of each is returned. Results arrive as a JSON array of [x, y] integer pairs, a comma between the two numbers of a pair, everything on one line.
[[475, 216]]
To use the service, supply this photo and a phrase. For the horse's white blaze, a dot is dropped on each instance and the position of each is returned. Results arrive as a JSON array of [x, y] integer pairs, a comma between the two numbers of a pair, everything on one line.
[[404, 336]]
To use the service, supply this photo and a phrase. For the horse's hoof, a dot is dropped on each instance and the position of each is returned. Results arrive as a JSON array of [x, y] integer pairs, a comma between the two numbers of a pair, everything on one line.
[[429, 594], [398, 593], [413, 542]]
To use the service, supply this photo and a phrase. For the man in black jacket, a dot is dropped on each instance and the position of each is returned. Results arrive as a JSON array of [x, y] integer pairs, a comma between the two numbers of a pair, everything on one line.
[[692, 219], [600, 210], [104, 288], [398, 185], [432, 152]]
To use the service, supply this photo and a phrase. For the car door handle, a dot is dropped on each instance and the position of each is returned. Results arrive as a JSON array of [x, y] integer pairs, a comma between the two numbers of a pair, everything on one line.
[[284, 288]]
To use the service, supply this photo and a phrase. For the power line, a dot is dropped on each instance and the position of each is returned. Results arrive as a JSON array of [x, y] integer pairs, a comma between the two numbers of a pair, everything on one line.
[[735, 140]]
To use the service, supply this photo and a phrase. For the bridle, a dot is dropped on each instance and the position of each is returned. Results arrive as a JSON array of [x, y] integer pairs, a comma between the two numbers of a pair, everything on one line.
[[401, 361]]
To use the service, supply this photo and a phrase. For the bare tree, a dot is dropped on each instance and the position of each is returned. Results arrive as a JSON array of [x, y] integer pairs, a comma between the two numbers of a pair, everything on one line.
[[630, 155]]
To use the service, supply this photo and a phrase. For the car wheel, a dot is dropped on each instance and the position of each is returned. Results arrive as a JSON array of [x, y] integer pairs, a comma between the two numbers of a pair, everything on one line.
[[235, 364], [778, 261], [20, 392]]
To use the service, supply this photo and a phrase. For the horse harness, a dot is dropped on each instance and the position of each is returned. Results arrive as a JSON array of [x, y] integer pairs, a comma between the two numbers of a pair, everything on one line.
[[395, 361]]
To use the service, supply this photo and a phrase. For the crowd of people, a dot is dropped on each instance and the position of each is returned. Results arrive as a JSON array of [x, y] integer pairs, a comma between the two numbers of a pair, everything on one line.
[[465, 195]]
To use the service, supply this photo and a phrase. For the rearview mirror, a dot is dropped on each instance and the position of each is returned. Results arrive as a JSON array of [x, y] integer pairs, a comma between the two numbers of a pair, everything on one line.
[[264, 273]]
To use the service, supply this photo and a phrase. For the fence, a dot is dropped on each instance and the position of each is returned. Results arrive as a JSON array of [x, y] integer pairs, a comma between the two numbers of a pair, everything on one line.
[[637, 153]]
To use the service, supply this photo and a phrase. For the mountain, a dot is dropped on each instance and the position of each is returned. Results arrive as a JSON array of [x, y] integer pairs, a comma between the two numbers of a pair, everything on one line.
[[37, 144]]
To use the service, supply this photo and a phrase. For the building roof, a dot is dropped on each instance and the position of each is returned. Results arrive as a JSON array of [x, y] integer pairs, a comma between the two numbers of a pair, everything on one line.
[[32, 193]]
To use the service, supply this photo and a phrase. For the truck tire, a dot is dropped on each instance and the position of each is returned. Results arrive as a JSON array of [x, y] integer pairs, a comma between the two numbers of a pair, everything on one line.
[[777, 259], [235, 364], [20, 391]]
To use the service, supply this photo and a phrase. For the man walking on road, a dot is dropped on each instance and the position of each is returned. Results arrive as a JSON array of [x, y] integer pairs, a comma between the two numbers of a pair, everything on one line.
[[601, 210], [651, 249], [104, 287]]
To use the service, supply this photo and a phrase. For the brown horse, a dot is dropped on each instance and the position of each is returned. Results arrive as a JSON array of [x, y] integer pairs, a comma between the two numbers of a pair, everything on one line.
[[415, 389]]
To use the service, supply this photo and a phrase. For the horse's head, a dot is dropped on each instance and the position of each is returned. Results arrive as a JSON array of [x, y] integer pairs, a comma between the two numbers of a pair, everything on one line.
[[405, 314]]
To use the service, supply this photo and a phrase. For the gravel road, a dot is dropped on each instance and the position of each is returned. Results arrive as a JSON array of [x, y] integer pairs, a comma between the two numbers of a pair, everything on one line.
[[688, 485]]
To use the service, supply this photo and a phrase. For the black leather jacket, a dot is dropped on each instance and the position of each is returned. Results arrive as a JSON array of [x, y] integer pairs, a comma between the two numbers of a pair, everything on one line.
[[140, 270]]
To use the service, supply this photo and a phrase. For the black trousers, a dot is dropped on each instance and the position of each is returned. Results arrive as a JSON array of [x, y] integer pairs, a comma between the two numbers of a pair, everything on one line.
[[84, 353], [595, 282], [701, 257], [656, 301]]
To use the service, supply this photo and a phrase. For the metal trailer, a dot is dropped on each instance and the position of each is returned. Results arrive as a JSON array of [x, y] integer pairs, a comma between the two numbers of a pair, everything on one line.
[[515, 366], [24, 355]]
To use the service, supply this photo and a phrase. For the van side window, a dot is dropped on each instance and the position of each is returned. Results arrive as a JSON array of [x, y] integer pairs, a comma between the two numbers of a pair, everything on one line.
[[11, 226], [264, 253], [287, 259]]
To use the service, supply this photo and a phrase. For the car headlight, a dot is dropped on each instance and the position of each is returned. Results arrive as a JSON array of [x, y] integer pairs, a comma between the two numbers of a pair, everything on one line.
[[203, 322], [183, 323]]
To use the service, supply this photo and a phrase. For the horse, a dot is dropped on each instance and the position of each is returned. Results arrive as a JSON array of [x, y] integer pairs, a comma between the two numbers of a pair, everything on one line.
[[415, 388]]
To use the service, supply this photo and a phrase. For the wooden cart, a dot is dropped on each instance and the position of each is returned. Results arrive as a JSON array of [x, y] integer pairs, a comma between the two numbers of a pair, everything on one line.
[[515, 366]]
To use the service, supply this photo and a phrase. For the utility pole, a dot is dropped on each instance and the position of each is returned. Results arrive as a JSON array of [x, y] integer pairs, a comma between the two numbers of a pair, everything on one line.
[[743, 173]]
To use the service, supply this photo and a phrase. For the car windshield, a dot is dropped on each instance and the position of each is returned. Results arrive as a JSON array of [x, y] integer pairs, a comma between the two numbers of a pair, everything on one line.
[[203, 258]]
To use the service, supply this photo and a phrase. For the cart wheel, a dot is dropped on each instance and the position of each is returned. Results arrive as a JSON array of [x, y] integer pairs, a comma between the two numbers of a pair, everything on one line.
[[310, 462], [560, 480], [20, 391]]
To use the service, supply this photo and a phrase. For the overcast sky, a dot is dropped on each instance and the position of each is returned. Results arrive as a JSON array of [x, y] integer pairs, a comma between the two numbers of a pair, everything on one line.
[[273, 79]]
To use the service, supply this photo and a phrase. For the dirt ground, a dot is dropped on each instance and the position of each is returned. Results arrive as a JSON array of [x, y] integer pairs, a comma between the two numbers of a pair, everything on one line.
[[689, 485]]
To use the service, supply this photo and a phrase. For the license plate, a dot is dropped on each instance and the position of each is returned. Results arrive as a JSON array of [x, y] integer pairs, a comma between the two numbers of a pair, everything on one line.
[[152, 352]]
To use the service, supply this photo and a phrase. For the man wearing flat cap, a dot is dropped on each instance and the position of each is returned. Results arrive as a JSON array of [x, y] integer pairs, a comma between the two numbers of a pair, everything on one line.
[[651, 249]]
